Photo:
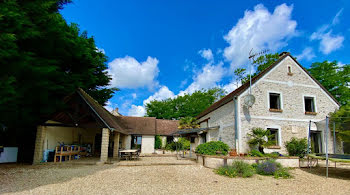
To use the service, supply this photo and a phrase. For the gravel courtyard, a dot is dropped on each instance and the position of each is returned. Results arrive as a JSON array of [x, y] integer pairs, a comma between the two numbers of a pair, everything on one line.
[[163, 178]]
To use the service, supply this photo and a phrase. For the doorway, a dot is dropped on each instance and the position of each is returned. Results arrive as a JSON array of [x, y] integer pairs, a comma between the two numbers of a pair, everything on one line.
[[316, 143]]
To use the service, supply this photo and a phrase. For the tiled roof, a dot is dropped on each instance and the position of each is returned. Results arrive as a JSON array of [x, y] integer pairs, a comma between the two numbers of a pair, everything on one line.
[[130, 124], [246, 85]]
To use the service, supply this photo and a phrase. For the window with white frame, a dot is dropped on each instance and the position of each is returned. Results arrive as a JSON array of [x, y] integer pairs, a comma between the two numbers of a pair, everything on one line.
[[274, 136], [309, 103], [275, 101]]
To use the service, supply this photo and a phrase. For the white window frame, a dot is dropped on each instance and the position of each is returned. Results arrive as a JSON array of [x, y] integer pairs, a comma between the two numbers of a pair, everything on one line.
[[312, 96], [279, 133], [268, 99]]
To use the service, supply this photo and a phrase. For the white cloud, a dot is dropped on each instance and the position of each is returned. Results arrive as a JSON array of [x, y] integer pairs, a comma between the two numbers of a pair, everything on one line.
[[134, 96], [109, 106], [208, 77], [307, 54], [100, 50], [127, 72], [231, 86], [206, 54], [328, 41], [336, 17], [259, 29], [162, 94], [137, 111]]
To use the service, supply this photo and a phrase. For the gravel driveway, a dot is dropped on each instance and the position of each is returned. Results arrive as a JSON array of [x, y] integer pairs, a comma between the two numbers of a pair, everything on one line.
[[160, 179]]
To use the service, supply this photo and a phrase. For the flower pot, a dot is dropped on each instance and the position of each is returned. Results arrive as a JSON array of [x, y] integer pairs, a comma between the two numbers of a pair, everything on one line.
[[233, 153]]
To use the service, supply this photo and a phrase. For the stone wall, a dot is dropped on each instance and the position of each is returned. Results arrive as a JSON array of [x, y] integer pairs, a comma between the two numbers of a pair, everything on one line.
[[292, 121], [104, 145], [223, 117]]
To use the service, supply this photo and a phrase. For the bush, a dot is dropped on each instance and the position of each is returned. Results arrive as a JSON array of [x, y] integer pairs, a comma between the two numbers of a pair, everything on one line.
[[157, 142], [273, 155], [238, 168], [282, 172], [268, 167], [296, 147], [181, 144], [256, 153], [212, 147]]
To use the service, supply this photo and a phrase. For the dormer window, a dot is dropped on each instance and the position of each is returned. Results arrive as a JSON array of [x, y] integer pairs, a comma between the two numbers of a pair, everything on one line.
[[290, 71]]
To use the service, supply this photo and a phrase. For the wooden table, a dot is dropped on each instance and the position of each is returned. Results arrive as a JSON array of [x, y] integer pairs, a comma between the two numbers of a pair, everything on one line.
[[129, 154]]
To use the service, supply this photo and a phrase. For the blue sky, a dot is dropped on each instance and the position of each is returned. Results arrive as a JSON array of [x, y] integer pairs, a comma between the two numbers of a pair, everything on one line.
[[160, 49]]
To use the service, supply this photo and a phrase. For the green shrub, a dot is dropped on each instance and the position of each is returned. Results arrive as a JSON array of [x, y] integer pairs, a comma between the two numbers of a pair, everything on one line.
[[157, 142], [228, 171], [255, 153], [238, 168], [181, 144], [283, 173], [212, 147], [273, 155], [296, 147], [269, 167]]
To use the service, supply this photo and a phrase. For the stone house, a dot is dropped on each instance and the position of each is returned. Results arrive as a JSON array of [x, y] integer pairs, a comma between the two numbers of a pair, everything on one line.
[[84, 121], [287, 97]]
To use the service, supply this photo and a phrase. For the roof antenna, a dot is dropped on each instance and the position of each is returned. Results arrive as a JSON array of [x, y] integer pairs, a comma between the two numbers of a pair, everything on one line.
[[250, 99]]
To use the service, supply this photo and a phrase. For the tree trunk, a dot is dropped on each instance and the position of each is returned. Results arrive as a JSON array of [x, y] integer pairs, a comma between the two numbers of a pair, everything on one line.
[[261, 149]]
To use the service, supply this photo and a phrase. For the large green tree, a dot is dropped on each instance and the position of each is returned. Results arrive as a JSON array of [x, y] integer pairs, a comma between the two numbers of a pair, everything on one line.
[[42, 60], [189, 105], [335, 78]]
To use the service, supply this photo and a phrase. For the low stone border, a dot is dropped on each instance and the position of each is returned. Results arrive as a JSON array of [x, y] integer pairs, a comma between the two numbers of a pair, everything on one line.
[[218, 161]]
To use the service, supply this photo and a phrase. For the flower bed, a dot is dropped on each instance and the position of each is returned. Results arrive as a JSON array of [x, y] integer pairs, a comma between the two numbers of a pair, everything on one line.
[[215, 162]]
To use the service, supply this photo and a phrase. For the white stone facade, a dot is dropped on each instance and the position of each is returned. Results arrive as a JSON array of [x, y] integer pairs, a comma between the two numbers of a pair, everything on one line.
[[291, 121]]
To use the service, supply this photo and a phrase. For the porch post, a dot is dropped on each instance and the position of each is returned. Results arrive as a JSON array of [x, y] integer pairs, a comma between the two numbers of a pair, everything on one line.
[[39, 144], [116, 144], [104, 145]]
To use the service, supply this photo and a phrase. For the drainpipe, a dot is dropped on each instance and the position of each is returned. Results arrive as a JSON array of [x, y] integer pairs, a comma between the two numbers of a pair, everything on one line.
[[235, 100]]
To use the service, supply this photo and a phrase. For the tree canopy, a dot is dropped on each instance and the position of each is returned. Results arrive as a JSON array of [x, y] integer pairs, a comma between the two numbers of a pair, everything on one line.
[[335, 78], [189, 105], [42, 60]]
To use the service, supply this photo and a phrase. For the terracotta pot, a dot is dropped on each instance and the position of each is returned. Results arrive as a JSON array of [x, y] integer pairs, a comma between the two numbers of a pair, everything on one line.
[[233, 153]]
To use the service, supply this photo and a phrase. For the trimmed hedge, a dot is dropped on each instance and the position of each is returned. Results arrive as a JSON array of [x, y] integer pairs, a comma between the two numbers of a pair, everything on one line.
[[213, 148]]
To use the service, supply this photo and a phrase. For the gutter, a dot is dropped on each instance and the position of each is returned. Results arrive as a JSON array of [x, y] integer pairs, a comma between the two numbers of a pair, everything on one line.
[[235, 100], [112, 129]]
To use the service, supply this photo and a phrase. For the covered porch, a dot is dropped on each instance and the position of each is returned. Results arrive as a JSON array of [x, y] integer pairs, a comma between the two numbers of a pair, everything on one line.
[[82, 125]]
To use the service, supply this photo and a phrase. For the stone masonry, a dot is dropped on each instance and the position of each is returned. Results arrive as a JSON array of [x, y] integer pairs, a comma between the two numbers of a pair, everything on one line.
[[116, 144], [39, 144], [104, 145]]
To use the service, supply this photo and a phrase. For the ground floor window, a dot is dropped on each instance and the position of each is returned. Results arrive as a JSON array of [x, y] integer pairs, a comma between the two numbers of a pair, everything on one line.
[[136, 141], [274, 136]]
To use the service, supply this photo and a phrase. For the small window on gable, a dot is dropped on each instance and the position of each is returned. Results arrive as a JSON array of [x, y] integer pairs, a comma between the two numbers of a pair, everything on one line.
[[290, 71], [275, 102], [273, 138], [309, 105]]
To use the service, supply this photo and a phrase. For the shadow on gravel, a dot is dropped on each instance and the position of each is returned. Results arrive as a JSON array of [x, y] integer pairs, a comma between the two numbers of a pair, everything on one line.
[[338, 173]]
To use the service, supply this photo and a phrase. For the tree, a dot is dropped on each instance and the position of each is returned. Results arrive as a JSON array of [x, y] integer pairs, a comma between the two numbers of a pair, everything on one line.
[[188, 123], [335, 78], [261, 63], [43, 59], [341, 118], [188, 105]]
